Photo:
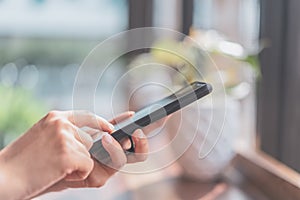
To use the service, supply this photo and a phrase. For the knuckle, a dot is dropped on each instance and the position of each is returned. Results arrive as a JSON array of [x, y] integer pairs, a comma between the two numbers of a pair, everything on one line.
[[53, 121], [60, 126], [82, 176], [52, 114], [96, 182], [57, 124], [60, 129]]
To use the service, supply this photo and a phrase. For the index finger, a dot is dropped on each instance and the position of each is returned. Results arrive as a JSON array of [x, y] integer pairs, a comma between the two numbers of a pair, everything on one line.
[[122, 117], [81, 118]]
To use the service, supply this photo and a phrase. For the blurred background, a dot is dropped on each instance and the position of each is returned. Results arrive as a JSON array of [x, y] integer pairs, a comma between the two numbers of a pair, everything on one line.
[[43, 43]]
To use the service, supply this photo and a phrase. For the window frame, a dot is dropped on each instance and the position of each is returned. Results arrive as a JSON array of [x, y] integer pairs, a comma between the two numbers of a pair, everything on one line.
[[278, 93]]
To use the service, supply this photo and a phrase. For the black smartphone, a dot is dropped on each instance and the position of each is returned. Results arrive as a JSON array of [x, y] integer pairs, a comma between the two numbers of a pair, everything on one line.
[[150, 114]]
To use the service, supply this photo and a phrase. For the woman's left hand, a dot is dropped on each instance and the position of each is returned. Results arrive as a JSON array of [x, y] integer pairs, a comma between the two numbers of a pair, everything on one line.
[[101, 172]]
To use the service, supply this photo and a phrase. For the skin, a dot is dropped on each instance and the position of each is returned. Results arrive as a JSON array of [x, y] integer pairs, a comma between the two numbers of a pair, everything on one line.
[[53, 155]]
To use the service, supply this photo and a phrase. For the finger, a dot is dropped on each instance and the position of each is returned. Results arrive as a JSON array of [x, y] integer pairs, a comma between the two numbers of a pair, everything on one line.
[[85, 118], [99, 175], [84, 138], [122, 117], [94, 133], [126, 144], [90, 131], [81, 167], [78, 161], [64, 184], [141, 147], [97, 178], [81, 136], [115, 151]]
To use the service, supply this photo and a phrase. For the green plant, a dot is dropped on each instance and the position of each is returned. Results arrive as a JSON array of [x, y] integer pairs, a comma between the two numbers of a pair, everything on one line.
[[19, 110], [190, 59]]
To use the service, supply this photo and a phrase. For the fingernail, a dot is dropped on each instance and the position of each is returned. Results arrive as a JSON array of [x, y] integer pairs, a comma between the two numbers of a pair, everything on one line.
[[140, 134], [131, 113], [111, 127], [107, 138]]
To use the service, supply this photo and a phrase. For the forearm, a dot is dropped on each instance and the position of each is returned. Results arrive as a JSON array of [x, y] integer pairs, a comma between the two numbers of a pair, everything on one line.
[[23, 178], [10, 185], [17, 174]]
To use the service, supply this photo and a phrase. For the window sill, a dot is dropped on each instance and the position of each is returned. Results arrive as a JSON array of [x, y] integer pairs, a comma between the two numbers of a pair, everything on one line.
[[273, 178]]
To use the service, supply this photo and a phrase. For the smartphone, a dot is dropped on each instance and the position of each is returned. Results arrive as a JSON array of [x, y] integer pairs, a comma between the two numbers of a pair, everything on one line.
[[151, 113]]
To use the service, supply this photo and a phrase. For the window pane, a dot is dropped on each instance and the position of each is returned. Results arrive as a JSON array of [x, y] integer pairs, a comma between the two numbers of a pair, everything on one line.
[[229, 30], [42, 44], [237, 19], [67, 18]]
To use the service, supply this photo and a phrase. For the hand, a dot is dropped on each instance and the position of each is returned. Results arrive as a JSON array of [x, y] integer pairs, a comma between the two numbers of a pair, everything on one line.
[[101, 172], [54, 152]]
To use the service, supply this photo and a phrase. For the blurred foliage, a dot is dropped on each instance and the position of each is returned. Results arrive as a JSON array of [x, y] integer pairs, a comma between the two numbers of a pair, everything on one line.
[[254, 63], [183, 57], [190, 59], [19, 110]]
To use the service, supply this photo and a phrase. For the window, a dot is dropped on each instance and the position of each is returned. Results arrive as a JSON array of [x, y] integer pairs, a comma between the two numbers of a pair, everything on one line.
[[62, 19], [238, 20], [42, 44], [278, 112], [53, 37]]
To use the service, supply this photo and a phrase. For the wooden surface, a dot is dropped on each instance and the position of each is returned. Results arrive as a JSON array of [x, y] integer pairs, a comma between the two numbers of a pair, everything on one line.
[[182, 189], [164, 184], [252, 176], [269, 175]]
